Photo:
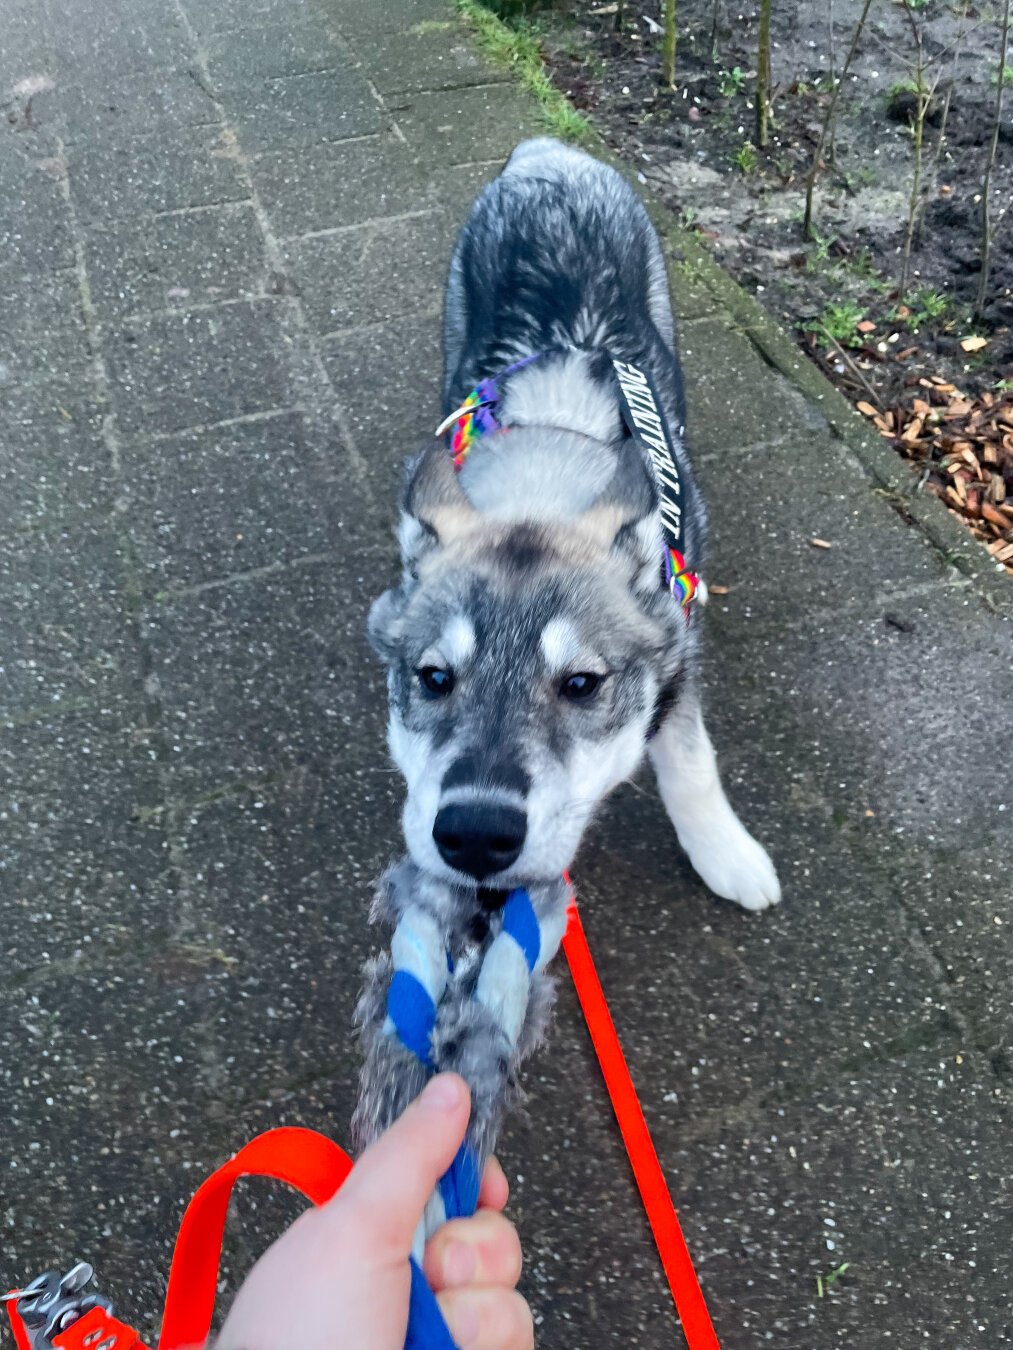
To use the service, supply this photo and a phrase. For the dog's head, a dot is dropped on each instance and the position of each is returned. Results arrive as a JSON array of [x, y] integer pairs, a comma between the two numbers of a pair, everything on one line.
[[526, 661]]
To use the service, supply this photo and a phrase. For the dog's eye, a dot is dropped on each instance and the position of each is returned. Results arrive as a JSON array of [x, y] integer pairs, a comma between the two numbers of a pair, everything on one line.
[[580, 687], [436, 682]]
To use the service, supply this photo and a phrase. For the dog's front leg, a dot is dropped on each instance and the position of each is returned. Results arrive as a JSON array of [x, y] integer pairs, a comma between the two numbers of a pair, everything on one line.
[[723, 852]]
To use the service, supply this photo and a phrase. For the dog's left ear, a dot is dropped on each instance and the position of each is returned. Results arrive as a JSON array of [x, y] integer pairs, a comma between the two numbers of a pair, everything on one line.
[[625, 518], [434, 511], [435, 508]]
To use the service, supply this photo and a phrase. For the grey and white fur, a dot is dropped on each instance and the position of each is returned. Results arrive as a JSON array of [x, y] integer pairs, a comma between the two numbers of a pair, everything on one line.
[[533, 655]]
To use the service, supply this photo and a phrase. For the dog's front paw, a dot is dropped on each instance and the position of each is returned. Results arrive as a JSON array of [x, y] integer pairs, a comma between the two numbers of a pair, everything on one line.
[[735, 866]]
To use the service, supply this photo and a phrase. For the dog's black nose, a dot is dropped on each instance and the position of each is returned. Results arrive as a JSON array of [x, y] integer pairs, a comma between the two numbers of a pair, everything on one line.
[[479, 838]]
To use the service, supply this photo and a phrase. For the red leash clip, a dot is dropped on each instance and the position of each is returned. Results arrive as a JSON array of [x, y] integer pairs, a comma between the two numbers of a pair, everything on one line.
[[58, 1312]]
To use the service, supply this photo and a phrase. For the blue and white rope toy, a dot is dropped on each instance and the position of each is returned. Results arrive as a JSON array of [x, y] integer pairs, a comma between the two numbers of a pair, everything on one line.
[[463, 988]]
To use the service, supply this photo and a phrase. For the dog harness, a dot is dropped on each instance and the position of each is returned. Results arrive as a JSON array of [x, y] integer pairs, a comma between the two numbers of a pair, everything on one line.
[[645, 422]]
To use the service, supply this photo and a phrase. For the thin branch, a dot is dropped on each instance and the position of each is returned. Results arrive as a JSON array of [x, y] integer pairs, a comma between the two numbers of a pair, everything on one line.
[[807, 220], [763, 77], [986, 183]]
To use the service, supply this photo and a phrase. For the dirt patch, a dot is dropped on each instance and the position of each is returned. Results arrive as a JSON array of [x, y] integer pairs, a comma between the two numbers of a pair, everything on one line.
[[839, 294]]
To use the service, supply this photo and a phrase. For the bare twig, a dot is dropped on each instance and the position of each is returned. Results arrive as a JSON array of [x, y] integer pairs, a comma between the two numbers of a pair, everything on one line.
[[669, 44], [986, 182], [763, 77], [807, 219], [715, 20], [923, 93], [853, 367]]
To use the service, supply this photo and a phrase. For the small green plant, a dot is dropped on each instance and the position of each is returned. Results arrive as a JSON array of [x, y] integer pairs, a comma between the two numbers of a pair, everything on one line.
[[902, 87], [731, 82], [1007, 76], [746, 158], [1004, 386], [839, 320], [921, 309], [822, 244], [824, 1283]]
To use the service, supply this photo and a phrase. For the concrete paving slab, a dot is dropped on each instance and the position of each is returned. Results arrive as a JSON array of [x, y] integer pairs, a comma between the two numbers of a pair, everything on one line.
[[53, 459], [241, 57], [959, 898], [35, 222], [230, 500], [271, 870], [148, 173], [767, 561], [858, 696], [442, 57], [67, 628], [82, 850], [254, 677], [893, 1172], [303, 110], [89, 110], [377, 389], [384, 270], [43, 331], [237, 15], [200, 257], [173, 371], [717, 1007], [132, 37], [462, 126], [738, 401], [373, 177]]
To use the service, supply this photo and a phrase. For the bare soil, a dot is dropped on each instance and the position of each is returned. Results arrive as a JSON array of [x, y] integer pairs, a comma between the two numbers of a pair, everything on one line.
[[840, 294]]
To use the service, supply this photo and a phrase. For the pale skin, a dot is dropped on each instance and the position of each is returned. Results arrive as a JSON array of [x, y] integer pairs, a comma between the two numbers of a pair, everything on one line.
[[340, 1277]]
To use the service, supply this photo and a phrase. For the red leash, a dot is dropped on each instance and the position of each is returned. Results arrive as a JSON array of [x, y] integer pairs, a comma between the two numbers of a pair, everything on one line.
[[675, 1257]]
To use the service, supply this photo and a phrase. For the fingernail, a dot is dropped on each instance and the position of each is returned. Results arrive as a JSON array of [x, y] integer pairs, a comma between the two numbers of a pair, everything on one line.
[[459, 1264], [441, 1094]]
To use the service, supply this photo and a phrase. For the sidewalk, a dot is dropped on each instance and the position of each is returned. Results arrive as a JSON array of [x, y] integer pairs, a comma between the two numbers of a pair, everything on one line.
[[223, 235]]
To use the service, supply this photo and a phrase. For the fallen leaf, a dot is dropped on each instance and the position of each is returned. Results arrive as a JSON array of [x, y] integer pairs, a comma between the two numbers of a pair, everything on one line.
[[719, 590], [820, 543], [868, 409], [866, 326], [973, 344]]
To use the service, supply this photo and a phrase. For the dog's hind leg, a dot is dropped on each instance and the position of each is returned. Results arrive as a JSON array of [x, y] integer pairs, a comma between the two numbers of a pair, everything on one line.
[[723, 853]]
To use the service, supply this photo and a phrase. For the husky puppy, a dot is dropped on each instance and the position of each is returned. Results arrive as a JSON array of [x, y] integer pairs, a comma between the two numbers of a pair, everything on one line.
[[533, 652]]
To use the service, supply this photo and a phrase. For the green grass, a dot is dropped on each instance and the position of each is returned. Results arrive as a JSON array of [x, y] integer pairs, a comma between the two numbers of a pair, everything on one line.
[[840, 320], [731, 82], [926, 307], [824, 1283], [746, 158], [1007, 75], [515, 44]]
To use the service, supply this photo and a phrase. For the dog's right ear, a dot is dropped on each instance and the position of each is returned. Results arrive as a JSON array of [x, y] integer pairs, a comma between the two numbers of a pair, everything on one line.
[[435, 508]]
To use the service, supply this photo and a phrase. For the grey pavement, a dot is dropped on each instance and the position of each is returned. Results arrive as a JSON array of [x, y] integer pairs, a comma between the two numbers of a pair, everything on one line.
[[223, 234]]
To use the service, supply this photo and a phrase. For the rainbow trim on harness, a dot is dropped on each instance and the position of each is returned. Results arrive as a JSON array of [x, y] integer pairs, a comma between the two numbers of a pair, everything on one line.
[[682, 583]]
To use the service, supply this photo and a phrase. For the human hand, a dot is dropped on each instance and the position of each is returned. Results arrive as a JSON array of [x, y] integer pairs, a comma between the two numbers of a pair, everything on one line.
[[339, 1276]]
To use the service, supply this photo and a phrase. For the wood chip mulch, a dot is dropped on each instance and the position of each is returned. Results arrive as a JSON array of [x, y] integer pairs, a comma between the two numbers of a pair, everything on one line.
[[965, 448]]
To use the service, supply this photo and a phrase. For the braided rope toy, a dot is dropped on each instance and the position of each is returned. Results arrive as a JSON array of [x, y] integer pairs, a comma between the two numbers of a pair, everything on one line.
[[464, 988]]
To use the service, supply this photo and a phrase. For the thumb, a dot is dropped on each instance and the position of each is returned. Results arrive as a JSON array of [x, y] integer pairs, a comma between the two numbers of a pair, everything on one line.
[[390, 1184]]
